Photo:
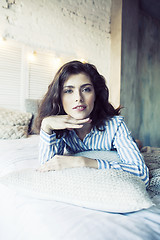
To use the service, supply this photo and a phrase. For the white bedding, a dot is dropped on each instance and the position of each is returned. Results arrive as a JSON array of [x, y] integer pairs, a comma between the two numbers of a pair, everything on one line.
[[27, 218], [18, 154]]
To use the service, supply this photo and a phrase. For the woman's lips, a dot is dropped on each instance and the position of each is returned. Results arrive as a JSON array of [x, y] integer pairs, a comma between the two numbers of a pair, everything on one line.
[[79, 107]]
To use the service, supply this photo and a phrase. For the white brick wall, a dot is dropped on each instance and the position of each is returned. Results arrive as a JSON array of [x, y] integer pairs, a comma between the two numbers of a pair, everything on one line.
[[78, 28]]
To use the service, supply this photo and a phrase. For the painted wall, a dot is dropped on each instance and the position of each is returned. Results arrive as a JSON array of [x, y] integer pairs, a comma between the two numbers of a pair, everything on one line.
[[77, 28], [129, 55], [140, 76], [148, 104]]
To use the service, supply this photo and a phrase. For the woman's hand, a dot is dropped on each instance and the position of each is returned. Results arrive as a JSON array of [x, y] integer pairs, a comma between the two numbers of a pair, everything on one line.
[[60, 162], [62, 122]]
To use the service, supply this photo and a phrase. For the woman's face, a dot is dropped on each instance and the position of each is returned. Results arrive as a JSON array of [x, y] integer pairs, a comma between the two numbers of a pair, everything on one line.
[[78, 96]]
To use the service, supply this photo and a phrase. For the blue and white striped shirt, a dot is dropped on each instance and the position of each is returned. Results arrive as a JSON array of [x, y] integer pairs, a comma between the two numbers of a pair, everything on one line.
[[116, 136]]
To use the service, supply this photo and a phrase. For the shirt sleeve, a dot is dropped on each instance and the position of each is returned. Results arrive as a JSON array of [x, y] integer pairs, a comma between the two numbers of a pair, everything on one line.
[[49, 146], [131, 159]]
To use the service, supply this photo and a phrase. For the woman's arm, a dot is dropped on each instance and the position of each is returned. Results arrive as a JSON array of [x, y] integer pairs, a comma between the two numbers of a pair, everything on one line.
[[60, 162], [49, 144], [131, 159], [61, 122]]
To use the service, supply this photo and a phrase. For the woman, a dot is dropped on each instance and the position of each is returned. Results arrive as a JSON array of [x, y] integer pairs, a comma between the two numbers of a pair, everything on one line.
[[76, 115]]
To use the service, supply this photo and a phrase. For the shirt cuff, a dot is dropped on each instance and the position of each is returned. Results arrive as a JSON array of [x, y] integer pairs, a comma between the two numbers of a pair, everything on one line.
[[49, 139], [102, 164]]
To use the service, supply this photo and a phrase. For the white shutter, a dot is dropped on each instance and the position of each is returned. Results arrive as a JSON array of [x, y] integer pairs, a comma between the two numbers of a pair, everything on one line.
[[40, 74], [10, 75], [23, 78]]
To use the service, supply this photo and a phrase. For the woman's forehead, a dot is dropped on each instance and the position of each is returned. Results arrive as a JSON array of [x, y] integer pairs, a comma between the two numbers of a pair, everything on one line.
[[77, 79]]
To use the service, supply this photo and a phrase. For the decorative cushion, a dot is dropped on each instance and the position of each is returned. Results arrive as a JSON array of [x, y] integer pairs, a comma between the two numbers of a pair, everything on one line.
[[13, 132], [152, 159], [32, 105], [14, 124], [106, 190], [14, 117], [154, 184]]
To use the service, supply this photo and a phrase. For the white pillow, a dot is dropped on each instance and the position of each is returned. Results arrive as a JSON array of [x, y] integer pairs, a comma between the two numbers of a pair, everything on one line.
[[152, 159], [106, 190], [14, 117], [101, 155], [13, 132], [14, 124]]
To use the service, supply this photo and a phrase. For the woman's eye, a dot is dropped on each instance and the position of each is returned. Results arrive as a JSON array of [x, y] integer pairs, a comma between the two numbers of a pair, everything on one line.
[[86, 89], [68, 91]]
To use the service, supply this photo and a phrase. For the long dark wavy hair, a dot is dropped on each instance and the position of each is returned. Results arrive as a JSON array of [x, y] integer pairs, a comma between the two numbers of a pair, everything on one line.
[[51, 104]]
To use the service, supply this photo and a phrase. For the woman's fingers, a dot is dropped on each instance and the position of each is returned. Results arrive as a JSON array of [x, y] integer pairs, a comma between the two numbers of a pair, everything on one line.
[[71, 126], [72, 123], [48, 166], [77, 122], [62, 122], [60, 162]]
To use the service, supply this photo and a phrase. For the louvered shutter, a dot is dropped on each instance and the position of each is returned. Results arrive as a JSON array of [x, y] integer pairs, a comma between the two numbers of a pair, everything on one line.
[[40, 73], [10, 75], [22, 78]]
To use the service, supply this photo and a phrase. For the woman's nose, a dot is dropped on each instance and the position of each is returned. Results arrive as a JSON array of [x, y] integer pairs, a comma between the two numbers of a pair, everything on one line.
[[79, 97]]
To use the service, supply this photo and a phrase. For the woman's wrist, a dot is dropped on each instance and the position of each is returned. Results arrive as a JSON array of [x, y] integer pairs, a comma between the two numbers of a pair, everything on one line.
[[88, 162], [45, 127]]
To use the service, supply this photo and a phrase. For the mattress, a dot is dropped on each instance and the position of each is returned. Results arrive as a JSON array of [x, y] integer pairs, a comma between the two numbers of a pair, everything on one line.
[[24, 217]]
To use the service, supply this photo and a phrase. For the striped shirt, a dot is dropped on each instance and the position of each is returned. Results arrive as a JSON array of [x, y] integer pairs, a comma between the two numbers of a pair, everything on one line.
[[115, 136]]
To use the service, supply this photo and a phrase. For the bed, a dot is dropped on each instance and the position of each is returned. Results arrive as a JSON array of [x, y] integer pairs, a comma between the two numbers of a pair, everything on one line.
[[26, 216]]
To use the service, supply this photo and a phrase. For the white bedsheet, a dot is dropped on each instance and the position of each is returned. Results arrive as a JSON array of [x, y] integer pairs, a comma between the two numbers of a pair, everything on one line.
[[26, 218], [18, 154]]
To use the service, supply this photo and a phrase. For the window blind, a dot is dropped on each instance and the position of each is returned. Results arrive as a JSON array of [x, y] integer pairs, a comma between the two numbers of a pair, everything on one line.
[[22, 77], [10, 75], [40, 74]]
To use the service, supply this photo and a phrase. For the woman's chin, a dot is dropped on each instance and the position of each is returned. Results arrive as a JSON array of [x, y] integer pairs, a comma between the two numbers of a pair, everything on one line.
[[79, 117]]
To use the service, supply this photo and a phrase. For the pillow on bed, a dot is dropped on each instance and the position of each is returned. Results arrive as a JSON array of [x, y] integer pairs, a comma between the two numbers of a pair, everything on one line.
[[14, 124], [13, 132], [31, 106], [106, 190], [152, 159]]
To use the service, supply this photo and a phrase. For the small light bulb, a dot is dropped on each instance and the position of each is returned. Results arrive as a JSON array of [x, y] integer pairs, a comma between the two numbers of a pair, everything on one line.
[[2, 39], [32, 56], [57, 62], [83, 60]]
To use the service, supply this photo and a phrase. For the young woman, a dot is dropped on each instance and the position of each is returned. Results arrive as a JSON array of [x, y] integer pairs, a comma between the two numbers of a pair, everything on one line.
[[75, 115]]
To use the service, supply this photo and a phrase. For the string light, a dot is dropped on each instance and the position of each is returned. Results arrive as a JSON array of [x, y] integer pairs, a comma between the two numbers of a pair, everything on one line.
[[2, 39], [83, 60], [32, 56], [57, 62]]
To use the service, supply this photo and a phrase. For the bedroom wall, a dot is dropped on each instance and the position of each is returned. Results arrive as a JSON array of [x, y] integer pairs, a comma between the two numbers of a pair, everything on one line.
[[140, 73], [129, 53], [148, 101], [74, 29]]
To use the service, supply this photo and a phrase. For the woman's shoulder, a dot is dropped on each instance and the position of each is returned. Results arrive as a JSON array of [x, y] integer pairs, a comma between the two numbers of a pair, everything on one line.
[[116, 120], [113, 122]]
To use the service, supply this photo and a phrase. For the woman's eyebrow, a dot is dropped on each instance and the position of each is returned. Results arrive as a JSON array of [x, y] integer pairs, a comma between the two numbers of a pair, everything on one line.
[[69, 86], [84, 85], [87, 84]]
